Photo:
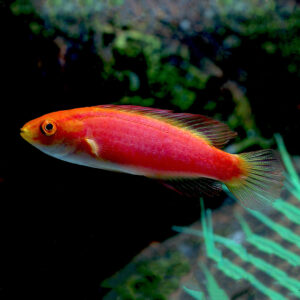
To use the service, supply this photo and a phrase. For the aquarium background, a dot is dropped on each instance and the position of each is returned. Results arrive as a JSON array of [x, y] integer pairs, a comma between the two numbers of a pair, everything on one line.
[[66, 228]]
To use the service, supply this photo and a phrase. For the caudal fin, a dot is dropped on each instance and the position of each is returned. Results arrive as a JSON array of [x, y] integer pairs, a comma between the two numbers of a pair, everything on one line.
[[262, 180]]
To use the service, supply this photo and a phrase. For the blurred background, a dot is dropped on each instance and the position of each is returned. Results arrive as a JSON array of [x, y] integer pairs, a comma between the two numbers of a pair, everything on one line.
[[66, 228]]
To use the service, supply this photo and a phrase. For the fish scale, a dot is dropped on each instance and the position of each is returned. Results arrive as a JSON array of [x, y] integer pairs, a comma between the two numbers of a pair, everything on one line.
[[134, 144]]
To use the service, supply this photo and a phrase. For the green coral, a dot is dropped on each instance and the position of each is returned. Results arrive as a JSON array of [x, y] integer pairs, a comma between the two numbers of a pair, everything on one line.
[[165, 80], [148, 279], [263, 244], [273, 25]]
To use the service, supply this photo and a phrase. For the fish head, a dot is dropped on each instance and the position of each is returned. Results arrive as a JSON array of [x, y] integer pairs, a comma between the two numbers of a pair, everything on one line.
[[54, 134]]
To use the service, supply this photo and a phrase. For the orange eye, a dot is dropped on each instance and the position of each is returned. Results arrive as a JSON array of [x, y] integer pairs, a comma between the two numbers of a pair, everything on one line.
[[48, 127]]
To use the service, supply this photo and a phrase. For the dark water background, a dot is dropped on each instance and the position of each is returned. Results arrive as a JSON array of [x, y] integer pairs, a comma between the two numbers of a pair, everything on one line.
[[65, 228]]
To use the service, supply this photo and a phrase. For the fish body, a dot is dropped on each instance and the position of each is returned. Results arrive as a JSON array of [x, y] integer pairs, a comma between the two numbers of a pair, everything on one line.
[[182, 149]]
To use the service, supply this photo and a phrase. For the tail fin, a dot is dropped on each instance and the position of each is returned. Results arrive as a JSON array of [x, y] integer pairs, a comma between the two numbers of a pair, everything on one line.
[[262, 180]]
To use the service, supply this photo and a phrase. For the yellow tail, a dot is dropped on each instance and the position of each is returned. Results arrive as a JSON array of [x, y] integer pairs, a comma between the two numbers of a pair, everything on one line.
[[263, 179]]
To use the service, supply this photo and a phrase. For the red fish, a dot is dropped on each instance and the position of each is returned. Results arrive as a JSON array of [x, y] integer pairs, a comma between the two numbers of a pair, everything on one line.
[[181, 149]]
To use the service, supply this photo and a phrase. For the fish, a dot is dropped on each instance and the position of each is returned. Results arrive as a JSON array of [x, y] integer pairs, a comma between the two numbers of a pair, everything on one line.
[[181, 150]]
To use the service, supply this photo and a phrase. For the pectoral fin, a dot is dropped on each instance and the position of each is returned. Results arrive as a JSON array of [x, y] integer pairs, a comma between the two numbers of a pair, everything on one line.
[[93, 146]]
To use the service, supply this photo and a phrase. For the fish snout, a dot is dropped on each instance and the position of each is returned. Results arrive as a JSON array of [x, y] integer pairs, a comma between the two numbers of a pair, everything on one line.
[[25, 134]]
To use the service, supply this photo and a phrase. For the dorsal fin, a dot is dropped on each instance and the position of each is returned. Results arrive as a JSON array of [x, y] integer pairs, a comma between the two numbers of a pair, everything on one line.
[[215, 132]]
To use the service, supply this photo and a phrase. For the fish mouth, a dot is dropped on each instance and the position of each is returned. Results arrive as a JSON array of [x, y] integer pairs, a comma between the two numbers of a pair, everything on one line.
[[25, 134]]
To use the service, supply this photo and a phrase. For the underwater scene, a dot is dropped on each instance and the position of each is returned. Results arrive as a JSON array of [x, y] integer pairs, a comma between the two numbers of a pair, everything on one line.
[[150, 149]]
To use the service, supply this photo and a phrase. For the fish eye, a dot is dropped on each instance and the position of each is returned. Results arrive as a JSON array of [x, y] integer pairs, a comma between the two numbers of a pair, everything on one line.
[[48, 127]]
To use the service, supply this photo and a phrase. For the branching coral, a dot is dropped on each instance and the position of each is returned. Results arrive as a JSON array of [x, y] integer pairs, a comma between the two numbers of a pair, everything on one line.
[[262, 244]]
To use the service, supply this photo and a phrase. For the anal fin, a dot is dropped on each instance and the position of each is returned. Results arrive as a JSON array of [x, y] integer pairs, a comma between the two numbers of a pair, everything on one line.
[[194, 187]]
